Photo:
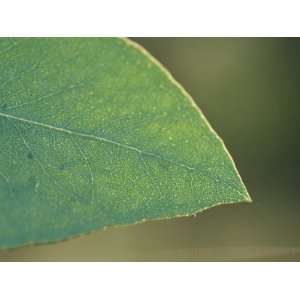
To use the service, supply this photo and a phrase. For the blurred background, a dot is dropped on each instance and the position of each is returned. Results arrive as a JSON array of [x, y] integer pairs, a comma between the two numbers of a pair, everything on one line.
[[249, 89]]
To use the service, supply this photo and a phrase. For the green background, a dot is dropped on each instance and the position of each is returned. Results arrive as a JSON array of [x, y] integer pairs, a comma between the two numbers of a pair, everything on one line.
[[249, 90]]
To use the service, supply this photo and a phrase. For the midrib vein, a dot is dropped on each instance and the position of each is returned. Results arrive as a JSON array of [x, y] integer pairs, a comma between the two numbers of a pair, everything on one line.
[[93, 137], [124, 146]]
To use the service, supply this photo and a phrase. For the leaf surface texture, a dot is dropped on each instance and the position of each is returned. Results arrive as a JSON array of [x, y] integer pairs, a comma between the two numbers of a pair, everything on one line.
[[95, 133]]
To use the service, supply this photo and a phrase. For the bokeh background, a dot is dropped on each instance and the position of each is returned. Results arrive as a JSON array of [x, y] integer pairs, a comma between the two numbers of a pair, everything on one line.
[[249, 89]]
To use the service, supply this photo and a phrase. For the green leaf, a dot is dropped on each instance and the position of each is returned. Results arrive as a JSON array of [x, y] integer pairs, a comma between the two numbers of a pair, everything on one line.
[[95, 133]]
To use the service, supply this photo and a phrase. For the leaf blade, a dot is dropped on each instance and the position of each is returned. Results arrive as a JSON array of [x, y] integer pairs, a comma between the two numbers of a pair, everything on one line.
[[101, 135]]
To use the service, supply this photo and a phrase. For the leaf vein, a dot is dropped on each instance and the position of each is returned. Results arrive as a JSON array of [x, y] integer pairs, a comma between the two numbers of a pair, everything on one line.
[[112, 142]]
